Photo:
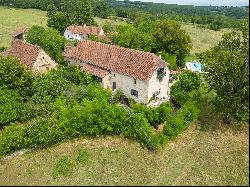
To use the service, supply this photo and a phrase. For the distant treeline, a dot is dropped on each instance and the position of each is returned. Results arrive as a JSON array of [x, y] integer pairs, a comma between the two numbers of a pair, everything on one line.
[[212, 17]]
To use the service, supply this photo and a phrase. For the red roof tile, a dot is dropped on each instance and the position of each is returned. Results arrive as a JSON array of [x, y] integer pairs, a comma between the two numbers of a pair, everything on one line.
[[76, 29], [134, 63], [19, 31], [26, 53], [94, 70]]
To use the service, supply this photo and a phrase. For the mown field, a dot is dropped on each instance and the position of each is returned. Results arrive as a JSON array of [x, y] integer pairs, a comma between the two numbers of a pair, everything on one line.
[[13, 18]]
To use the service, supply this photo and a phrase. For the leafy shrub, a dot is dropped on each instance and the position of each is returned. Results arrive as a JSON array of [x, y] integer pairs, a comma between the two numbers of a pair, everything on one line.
[[11, 106], [83, 156], [50, 40], [137, 127], [48, 86], [174, 126], [11, 139], [155, 116], [63, 167], [15, 76], [188, 81]]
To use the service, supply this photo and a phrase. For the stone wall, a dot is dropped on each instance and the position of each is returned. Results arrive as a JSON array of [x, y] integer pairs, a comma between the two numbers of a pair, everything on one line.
[[126, 83], [155, 85], [43, 63], [70, 36]]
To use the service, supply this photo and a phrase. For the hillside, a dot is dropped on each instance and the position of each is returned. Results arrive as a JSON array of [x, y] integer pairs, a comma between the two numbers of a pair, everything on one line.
[[197, 157], [12, 18]]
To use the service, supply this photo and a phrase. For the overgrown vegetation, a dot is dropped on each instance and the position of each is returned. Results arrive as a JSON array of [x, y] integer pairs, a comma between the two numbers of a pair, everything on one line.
[[66, 103], [49, 39]]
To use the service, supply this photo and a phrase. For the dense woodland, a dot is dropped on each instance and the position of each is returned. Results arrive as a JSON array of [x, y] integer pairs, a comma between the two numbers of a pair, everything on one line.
[[212, 17], [66, 103]]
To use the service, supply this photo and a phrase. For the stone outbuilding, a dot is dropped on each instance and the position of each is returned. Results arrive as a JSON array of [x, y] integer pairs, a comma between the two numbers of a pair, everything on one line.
[[32, 56]]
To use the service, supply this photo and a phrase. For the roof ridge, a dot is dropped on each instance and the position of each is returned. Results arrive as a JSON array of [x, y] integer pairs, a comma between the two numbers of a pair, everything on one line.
[[119, 47]]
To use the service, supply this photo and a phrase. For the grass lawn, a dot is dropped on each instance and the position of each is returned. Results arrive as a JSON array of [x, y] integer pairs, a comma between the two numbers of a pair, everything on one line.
[[200, 156], [13, 18], [203, 39]]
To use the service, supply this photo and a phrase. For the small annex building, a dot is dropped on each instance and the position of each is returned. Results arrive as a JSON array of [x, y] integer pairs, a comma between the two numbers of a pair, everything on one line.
[[32, 56]]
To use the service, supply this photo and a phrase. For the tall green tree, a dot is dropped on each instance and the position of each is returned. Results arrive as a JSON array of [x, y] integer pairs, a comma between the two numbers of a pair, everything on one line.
[[79, 12], [57, 19], [227, 67], [170, 38], [131, 37]]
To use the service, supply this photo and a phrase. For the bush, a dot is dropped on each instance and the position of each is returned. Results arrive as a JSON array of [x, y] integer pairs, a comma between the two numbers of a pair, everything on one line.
[[155, 116], [11, 139], [16, 76], [63, 167], [11, 106], [48, 86], [188, 82], [83, 156]]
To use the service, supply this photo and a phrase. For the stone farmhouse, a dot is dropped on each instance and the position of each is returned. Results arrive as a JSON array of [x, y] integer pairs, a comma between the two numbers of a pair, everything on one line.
[[76, 32], [139, 75], [32, 56]]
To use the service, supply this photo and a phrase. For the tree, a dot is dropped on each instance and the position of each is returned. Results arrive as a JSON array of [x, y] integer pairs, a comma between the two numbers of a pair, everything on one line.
[[79, 12], [15, 76], [56, 19], [50, 40], [169, 37], [101, 8], [131, 37], [227, 67], [188, 82], [11, 106]]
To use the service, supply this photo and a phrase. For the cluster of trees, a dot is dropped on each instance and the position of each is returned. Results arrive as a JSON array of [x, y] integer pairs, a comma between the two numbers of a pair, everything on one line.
[[70, 12], [227, 67], [212, 17], [161, 36]]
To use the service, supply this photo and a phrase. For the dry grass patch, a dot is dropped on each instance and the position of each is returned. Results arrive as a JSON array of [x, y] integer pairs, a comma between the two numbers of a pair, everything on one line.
[[197, 157], [203, 39]]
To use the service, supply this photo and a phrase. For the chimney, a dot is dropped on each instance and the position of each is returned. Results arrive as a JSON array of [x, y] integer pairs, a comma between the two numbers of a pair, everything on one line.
[[160, 54], [84, 25]]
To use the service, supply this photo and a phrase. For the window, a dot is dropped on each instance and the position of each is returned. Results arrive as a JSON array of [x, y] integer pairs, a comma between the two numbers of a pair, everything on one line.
[[114, 75], [114, 86], [134, 92], [161, 73], [134, 81]]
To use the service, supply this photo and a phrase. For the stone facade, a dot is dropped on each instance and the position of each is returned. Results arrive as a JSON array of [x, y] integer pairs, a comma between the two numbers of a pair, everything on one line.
[[145, 89], [43, 63], [71, 36]]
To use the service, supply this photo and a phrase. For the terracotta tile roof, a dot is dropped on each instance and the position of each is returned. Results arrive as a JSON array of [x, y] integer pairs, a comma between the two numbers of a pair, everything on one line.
[[76, 29], [19, 31], [105, 38], [26, 53], [94, 70], [134, 63]]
